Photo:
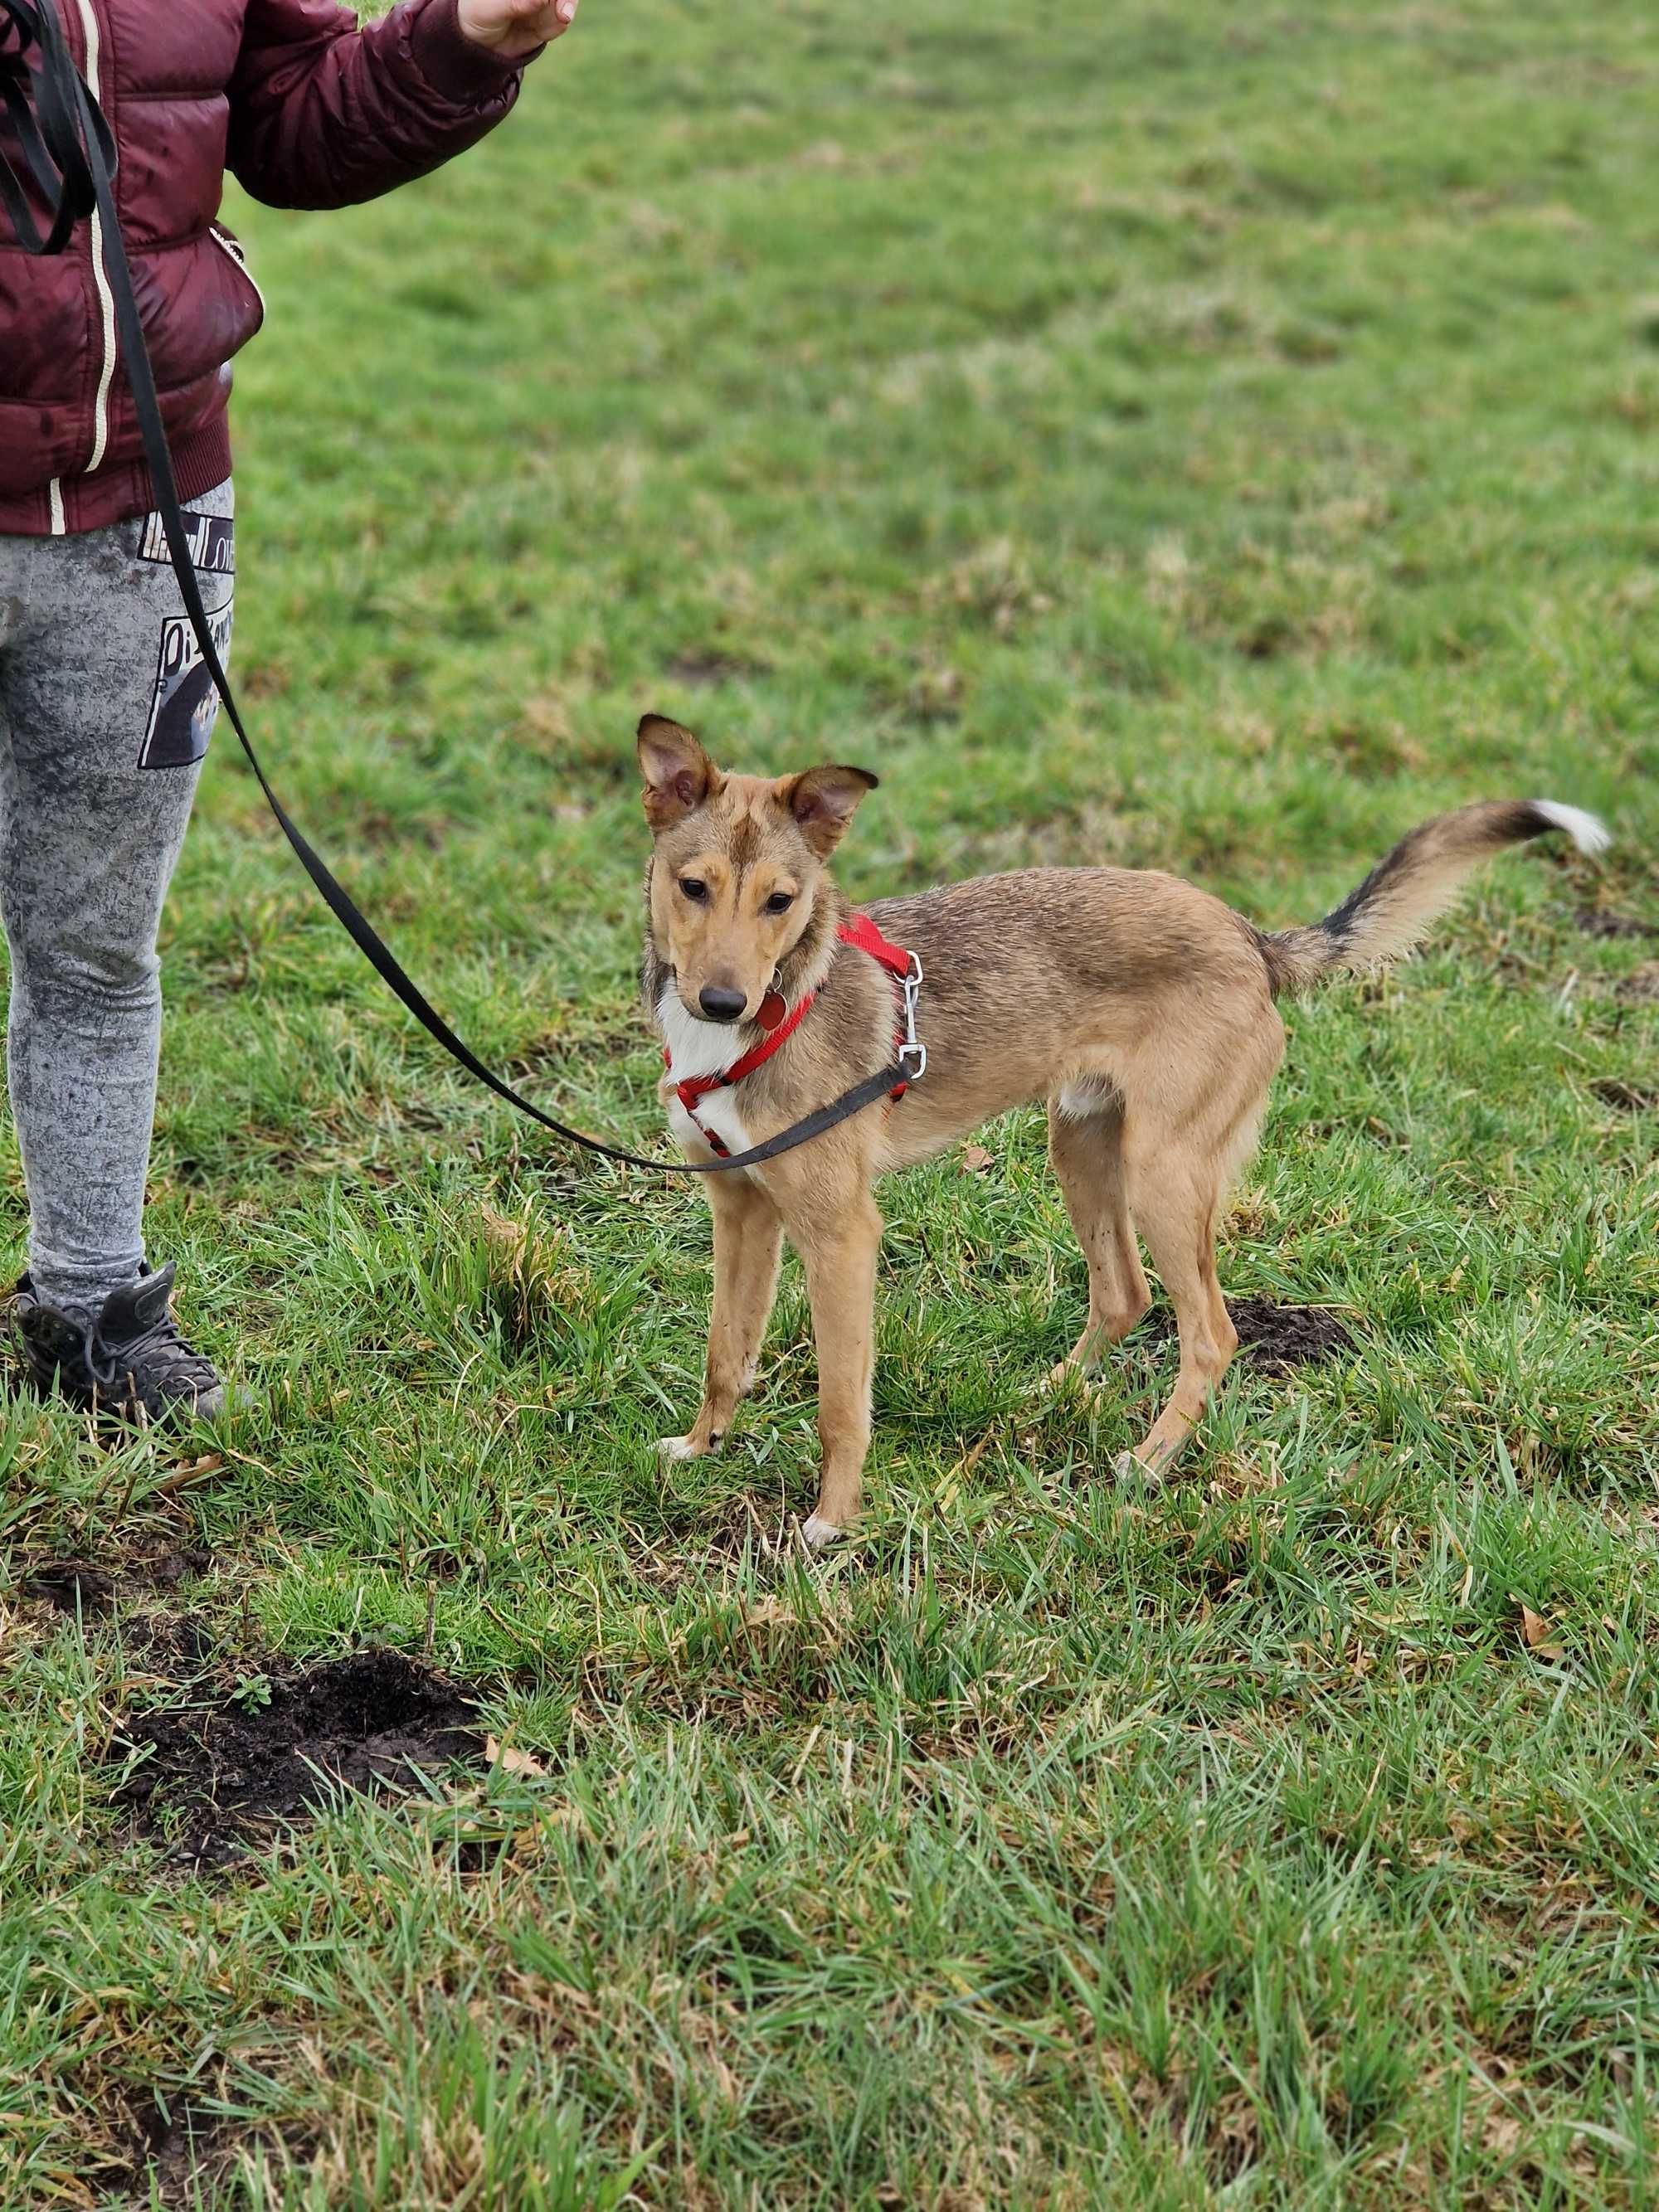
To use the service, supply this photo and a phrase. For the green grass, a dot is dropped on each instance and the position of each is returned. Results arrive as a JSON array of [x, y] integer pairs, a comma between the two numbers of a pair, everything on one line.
[[1199, 437]]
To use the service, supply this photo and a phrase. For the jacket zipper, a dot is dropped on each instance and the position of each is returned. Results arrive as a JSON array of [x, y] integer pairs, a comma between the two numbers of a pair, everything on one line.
[[106, 305]]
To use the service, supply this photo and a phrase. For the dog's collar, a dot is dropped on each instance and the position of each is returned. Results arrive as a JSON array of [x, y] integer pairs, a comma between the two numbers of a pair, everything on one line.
[[856, 930]]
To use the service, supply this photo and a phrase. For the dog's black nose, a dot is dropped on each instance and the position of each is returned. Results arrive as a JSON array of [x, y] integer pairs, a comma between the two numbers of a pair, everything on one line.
[[720, 1005]]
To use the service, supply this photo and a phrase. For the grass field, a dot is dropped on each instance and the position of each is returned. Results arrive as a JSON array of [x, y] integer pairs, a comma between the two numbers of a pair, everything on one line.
[[1205, 438]]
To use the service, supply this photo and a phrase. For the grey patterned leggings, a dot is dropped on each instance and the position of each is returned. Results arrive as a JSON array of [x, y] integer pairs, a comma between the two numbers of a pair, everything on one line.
[[105, 715]]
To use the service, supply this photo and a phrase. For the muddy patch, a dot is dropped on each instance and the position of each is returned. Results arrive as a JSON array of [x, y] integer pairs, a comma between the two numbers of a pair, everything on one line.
[[1628, 1097], [216, 1775], [71, 1586], [91, 1589], [83, 1587], [1602, 922], [1641, 987], [1276, 1339], [175, 2149], [698, 671]]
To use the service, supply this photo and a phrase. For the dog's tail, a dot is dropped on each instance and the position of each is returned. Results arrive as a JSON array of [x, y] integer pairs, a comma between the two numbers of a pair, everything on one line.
[[1403, 894]]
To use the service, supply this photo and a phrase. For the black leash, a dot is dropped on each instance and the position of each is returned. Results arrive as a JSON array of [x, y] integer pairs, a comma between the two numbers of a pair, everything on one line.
[[70, 151]]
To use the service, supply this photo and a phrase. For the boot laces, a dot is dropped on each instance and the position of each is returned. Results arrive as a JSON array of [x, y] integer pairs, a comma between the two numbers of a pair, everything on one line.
[[116, 1367]]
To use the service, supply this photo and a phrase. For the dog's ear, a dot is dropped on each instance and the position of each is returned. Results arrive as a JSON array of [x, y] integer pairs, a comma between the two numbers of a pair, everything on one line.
[[678, 774], [824, 801]]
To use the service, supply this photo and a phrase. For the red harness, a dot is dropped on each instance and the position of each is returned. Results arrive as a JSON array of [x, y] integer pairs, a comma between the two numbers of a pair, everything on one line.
[[857, 930]]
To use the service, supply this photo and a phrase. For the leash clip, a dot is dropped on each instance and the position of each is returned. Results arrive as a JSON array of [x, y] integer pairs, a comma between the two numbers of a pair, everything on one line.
[[912, 1052]]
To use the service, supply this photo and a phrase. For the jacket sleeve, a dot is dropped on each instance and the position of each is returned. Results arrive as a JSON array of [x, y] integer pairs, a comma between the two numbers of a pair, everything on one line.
[[323, 114]]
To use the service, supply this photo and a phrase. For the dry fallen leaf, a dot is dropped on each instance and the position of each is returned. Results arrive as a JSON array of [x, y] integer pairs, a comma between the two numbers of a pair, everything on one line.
[[1538, 1633], [975, 1160], [1502, 2133], [510, 1760]]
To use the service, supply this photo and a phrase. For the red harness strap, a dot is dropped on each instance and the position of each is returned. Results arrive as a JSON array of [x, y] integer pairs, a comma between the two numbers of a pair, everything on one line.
[[859, 931]]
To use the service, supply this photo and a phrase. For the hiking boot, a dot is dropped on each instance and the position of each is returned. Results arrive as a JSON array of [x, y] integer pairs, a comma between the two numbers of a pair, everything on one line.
[[130, 1359]]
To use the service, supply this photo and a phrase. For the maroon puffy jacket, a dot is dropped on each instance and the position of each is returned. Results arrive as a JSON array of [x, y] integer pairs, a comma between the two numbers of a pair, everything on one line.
[[306, 111]]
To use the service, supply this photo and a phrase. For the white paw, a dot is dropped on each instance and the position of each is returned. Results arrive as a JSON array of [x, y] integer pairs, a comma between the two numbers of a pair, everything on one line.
[[1127, 1467], [677, 1447], [818, 1533]]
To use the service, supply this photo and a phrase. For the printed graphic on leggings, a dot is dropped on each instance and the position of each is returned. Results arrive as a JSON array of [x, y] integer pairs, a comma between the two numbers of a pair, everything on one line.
[[211, 539], [184, 705]]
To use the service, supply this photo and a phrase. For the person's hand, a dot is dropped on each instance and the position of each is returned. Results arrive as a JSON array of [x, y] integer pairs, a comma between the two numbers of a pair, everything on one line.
[[513, 29]]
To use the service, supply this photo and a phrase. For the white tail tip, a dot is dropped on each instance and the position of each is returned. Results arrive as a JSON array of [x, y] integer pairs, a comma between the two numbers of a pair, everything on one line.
[[1588, 831]]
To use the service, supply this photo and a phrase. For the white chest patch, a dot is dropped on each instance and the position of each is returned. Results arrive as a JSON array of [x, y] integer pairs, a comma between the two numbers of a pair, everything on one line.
[[697, 1047], [716, 1112]]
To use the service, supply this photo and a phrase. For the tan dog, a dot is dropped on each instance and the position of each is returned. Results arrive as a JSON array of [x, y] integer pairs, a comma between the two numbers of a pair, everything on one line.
[[1141, 1008]]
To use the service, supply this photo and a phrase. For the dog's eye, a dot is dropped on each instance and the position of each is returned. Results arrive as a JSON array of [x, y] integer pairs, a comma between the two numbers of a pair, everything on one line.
[[780, 902], [695, 889]]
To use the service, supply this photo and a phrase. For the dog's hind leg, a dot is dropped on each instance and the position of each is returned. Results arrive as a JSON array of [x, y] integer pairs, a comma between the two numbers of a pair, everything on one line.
[[1177, 1198], [1192, 1118], [748, 1240], [1085, 1144]]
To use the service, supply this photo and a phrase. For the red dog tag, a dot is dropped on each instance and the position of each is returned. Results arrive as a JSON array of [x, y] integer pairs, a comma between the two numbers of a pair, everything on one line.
[[771, 1010]]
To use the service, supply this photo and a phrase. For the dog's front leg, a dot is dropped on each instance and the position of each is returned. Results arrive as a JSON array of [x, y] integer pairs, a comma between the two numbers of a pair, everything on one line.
[[840, 1259], [748, 1238]]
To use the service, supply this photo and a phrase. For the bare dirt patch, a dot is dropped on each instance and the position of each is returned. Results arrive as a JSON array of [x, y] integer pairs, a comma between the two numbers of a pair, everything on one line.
[[175, 2148], [84, 1586], [71, 1586], [1275, 1338], [1602, 922], [1628, 1097], [218, 1774], [700, 669]]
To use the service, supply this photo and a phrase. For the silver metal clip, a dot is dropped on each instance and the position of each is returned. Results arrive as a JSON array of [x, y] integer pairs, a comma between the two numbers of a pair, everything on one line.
[[912, 1052]]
